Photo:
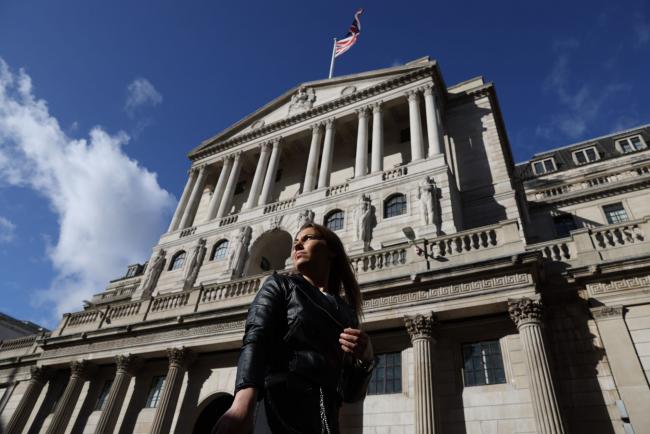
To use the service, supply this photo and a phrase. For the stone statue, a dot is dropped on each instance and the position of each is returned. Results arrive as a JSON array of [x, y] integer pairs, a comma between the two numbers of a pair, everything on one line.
[[196, 260], [428, 196], [306, 216], [363, 221], [154, 269], [302, 100], [240, 251]]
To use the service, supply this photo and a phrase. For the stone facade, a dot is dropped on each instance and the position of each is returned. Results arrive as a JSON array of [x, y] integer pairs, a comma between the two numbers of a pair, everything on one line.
[[519, 303]]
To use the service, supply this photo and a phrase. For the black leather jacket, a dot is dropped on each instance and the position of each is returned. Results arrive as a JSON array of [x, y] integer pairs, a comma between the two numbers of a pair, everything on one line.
[[293, 328]]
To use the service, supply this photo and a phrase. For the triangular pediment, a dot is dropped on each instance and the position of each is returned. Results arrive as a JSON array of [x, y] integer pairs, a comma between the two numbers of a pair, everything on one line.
[[310, 95]]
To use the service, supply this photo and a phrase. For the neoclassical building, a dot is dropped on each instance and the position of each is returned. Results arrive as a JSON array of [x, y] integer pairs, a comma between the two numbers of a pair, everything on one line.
[[501, 297]]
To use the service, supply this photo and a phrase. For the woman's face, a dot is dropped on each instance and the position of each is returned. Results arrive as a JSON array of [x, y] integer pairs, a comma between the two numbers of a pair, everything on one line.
[[310, 251]]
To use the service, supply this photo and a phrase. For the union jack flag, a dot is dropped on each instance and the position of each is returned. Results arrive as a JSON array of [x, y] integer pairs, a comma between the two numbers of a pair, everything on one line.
[[346, 43]]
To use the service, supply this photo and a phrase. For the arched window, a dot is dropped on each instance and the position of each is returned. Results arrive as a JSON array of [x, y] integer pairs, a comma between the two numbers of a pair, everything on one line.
[[178, 260], [395, 205], [334, 220], [219, 250]]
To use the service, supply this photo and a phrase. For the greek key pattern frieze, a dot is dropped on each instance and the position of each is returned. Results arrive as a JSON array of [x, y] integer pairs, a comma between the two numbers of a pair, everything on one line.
[[456, 290], [619, 285], [228, 327]]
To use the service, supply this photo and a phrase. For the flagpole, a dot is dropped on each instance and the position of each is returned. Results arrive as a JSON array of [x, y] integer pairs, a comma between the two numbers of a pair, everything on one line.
[[333, 57]]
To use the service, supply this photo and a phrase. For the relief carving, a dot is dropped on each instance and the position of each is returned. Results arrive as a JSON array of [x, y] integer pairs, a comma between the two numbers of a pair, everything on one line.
[[154, 269], [420, 326], [302, 100], [196, 260], [525, 311]]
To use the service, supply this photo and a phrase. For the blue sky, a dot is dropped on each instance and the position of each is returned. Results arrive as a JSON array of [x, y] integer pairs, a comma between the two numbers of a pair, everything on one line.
[[101, 101]]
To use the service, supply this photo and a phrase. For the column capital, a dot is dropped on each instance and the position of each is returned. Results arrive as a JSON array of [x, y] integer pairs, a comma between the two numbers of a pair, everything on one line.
[[39, 374], [377, 106], [264, 146], [236, 155], [420, 326], [79, 368], [362, 112], [329, 123], [608, 312], [126, 363], [525, 311], [412, 94], [428, 89], [178, 357], [316, 126], [276, 140]]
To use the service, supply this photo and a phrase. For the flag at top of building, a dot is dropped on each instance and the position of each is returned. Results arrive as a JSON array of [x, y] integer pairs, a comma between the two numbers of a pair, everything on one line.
[[343, 45]]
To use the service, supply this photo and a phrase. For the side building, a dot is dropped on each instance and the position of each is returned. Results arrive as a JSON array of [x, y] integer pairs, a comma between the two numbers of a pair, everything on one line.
[[501, 297]]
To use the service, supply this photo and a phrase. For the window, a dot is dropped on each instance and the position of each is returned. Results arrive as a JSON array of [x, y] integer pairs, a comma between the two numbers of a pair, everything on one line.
[[615, 213], [154, 392], [103, 394], [564, 224], [178, 260], [630, 144], [395, 205], [219, 250], [334, 220], [483, 364], [586, 155], [544, 166], [387, 376]]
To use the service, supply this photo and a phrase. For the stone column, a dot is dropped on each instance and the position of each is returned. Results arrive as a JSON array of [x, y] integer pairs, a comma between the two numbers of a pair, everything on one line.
[[527, 315], [625, 364], [433, 129], [182, 204], [361, 160], [67, 402], [217, 194], [178, 358], [228, 194], [269, 179], [260, 171], [377, 163], [193, 203], [420, 328], [115, 399], [312, 160], [415, 125], [328, 155], [28, 400]]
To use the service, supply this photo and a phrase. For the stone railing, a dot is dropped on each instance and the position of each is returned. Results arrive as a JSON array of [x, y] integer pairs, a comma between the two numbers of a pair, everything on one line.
[[556, 250], [622, 234], [228, 290], [337, 189], [21, 342], [380, 259], [464, 242], [124, 310], [590, 183], [115, 294], [394, 173], [169, 301], [187, 232], [279, 206], [80, 318], [228, 220]]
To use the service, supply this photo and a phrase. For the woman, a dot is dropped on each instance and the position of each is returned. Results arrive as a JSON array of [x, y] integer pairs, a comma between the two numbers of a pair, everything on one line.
[[303, 353]]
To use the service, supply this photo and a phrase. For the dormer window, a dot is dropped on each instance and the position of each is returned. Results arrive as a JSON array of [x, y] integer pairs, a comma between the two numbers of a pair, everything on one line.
[[546, 165], [630, 144], [586, 155]]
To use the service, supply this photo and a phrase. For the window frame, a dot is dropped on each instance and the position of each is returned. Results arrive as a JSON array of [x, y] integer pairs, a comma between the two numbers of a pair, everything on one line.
[[396, 366], [217, 247], [622, 208], [153, 396], [385, 205], [555, 225], [175, 258], [628, 139], [543, 162], [584, 150], [485, 366], [331, 215]]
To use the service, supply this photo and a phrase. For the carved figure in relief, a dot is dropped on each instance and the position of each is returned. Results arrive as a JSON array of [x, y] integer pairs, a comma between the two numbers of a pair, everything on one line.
[[363, 221], [240, 251], [154, 269], [428, 196], [196, 260], [302, 100], [306, 216]]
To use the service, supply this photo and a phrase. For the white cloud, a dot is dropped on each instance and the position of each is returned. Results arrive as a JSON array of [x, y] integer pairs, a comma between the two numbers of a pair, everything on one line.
[[110, 209], [7, 230], [141, 93]]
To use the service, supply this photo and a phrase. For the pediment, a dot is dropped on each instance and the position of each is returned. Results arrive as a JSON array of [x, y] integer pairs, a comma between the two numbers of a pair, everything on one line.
[[310, 95]]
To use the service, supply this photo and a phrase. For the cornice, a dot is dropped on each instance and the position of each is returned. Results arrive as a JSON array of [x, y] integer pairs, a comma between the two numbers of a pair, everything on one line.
[[212, 148]]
